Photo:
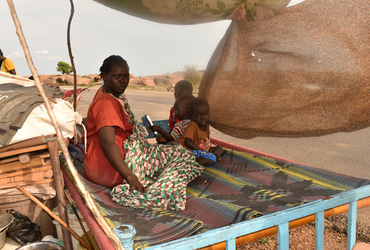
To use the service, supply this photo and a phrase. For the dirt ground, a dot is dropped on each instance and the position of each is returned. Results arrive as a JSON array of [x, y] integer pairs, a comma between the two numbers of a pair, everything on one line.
[[303, 238]]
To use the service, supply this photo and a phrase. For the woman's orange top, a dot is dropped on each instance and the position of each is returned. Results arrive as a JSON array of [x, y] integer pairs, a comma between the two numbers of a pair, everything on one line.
[[105, 110]]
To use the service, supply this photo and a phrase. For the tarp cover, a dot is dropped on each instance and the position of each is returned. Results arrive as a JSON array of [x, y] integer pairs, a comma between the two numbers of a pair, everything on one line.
[[16, 103], [303, 73], [198, 11]]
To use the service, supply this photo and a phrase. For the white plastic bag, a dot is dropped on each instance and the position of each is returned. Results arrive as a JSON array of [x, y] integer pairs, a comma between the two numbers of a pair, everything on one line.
[[38, 122]]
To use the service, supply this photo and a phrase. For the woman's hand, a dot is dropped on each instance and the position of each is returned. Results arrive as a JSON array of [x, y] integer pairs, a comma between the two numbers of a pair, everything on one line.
[[135, 184]]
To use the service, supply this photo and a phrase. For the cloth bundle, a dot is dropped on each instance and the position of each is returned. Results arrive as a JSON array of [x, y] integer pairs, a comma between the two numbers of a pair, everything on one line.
[[16, 103], [192, 12]]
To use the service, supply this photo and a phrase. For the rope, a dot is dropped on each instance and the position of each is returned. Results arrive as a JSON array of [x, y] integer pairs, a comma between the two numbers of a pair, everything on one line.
[[78, 120]]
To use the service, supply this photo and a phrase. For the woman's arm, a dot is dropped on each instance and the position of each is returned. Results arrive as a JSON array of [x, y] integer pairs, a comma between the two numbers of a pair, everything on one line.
[[164, 133], [113, 154]]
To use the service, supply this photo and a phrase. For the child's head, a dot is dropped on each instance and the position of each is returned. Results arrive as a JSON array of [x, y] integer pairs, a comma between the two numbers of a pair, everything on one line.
[[182, 107], [199, 109], [183, 87]]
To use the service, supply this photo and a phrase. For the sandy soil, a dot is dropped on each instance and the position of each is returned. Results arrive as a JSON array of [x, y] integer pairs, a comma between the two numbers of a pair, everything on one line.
[[303, 238]]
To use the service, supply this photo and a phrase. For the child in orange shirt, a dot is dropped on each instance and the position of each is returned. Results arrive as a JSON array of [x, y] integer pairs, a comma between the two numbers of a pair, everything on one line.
[[196, 135]]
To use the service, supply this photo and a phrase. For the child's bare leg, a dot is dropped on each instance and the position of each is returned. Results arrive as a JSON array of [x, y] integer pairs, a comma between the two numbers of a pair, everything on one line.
[[204, 161], [217, 151]]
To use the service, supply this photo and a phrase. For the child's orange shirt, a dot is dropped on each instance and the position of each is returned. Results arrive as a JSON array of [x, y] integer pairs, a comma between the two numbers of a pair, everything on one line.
[[198, 136]]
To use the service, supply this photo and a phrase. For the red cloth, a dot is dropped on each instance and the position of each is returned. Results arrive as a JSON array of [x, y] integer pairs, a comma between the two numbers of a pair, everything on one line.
[[98, 233], [171, 120], [70, 93], [104, 111]]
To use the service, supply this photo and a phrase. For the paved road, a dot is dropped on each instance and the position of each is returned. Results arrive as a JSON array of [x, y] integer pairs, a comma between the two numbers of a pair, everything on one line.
[[346, 153]]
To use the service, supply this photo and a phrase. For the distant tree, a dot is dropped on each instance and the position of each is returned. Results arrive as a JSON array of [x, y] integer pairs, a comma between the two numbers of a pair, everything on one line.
[[64, 68], [192, 74]]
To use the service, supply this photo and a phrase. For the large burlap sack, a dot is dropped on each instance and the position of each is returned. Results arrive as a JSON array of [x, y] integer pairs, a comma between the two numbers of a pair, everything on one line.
[[305, 72]]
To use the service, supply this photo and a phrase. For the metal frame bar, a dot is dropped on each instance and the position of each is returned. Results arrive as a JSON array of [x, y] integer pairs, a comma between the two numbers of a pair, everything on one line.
[[352, 216], [319, 230], [280, 219]]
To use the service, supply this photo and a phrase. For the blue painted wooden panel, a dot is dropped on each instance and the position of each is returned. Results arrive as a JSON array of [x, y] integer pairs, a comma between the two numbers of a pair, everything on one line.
[[230, 244], [352, 215], [319, 230], [283, 236], [278, 218]]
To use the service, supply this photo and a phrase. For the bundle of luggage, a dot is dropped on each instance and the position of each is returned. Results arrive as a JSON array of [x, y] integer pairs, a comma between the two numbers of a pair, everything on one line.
[[25, 158], [25, 163]]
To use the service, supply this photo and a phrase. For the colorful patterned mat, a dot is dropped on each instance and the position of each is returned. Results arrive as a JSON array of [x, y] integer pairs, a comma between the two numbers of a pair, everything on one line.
[[240, 186]]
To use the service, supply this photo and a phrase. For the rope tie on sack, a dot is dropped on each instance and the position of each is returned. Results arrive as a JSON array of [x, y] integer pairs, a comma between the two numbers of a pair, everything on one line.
[[78, 120]]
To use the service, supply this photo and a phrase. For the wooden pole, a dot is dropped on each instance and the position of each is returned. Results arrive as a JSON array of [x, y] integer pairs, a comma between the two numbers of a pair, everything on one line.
[[79, 219], [71, 57], [59, 186], [54, 216], [79, 183]]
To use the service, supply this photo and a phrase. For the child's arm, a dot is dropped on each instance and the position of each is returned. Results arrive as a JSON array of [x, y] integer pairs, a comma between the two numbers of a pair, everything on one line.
[[190, 144], [205, 161], [218, 151], [160, 139], [164, 133]]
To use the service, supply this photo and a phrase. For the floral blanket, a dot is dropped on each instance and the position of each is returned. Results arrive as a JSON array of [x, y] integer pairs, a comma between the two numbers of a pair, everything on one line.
[[198, 11]]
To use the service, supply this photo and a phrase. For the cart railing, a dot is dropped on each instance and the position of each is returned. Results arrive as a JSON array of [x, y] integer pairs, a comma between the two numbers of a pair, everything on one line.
[[228, 234]]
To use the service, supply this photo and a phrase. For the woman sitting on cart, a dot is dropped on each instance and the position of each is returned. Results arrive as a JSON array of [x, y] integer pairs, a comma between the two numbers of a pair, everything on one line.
[[142, 175]]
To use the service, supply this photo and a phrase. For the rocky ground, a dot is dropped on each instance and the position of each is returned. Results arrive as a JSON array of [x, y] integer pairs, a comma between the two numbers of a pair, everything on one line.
[[303, 238], [166, 80]]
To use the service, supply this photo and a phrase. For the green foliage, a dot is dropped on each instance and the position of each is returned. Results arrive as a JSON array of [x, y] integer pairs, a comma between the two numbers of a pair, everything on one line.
[[192, 74], [64, 68]]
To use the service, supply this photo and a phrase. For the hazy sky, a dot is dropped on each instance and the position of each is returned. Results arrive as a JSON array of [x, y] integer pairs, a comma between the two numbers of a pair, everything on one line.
[[97, 32]]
